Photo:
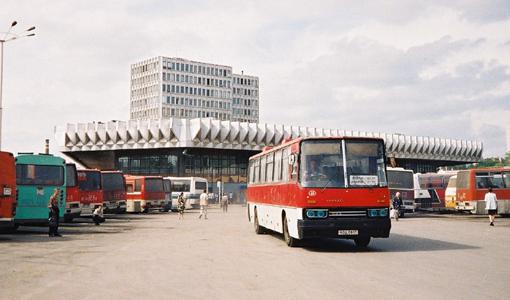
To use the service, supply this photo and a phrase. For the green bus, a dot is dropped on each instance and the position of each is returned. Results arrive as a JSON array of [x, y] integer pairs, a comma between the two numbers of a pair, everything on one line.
[[37, 176]]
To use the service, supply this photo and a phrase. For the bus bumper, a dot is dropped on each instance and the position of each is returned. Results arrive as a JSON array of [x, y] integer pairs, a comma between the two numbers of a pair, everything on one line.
[[6, 222], [329, 228]]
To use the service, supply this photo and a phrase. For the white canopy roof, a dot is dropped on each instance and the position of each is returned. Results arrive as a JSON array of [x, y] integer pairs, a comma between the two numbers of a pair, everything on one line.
[[210, 133]]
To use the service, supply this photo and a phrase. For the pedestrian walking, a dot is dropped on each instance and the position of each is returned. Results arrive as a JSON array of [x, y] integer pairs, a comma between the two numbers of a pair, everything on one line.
[[224, 202], [491, 205], [97, 215], [204, 202], [181, 205], [54, 213]]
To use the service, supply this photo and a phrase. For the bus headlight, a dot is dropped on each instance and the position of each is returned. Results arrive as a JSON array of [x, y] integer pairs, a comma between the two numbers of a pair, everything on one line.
[[316, 213], [383, 212], [378, 212]]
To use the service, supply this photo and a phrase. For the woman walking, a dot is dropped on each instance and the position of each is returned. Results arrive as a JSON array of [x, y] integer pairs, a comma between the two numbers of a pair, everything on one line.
[[181, 205], [491, 205], [53, 215]]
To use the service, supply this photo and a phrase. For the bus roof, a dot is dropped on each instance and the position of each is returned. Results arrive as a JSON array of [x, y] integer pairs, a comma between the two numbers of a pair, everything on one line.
[[185, 178], [299, 139], [89, 170], [112, 172], [46, 159], [399, 169], [490, 169], [142, 177]]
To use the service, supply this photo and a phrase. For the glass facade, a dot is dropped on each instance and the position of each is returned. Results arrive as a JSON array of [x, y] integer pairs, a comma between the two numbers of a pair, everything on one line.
[[228, 166]]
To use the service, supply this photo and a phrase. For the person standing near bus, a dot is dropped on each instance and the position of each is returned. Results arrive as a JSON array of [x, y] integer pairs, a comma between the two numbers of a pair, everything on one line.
[[54, 213], [204, 202], [491, 205], [97, 215], [224, 202], [181, 205], [397, 205]]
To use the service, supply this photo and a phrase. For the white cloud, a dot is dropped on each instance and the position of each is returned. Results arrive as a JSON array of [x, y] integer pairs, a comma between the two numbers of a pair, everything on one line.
[[418, 68]]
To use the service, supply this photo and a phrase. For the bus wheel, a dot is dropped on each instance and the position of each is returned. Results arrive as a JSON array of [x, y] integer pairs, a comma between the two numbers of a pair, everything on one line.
[[258, 228], [290, 241], [362, 241]]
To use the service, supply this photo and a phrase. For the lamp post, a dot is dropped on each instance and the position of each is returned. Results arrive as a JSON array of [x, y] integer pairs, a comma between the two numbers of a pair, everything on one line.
[[9, 36]]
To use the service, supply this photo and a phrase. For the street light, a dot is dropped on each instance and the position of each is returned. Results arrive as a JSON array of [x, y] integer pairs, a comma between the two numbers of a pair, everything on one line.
[[9, 36]]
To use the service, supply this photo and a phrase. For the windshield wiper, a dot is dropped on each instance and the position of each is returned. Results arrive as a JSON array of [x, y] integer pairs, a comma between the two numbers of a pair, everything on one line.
[[327, 183]]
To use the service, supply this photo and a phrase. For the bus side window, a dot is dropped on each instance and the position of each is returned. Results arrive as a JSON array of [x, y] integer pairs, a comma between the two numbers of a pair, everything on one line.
[[497, 180], [506, 179], [129, 188], [278, 166], [285, 165], [269, 167]]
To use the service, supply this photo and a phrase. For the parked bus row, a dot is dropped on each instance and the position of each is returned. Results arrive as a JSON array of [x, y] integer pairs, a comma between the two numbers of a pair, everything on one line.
[[28, 180], [451, 190]]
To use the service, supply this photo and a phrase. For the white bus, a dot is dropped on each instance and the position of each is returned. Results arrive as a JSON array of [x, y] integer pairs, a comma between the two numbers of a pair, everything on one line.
[[192, 187], [402, 180]]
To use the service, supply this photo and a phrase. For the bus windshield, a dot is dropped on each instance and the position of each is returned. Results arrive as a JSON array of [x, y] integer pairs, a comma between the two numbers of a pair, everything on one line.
[[70, 176], [400, 180], [89, 181], [154, 185], [181, 185], [39, 175], [322, 164], [113, 182]]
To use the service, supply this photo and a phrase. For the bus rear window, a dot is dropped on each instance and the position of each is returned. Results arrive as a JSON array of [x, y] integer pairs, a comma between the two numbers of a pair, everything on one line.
[[89, 181], [154, 185], [400, 180], [113, 182], [200, 186], [167, 185], [70, 175], [39, 175], [463, 180]]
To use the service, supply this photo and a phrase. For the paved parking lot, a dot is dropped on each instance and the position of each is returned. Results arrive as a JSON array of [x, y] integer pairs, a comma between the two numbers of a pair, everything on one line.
[[159, 256]]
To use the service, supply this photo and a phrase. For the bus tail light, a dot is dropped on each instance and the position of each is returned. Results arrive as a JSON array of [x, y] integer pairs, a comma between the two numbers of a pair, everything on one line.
[[316, 213]]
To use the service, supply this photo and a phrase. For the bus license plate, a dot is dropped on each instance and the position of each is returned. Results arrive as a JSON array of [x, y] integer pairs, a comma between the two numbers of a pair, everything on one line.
[[348, 232]]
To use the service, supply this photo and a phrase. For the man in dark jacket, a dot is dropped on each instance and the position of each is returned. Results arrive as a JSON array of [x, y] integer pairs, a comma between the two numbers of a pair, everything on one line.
[[54, 213]]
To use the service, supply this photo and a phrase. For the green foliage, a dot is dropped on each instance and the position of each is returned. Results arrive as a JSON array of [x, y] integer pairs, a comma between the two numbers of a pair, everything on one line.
[[489, 163]]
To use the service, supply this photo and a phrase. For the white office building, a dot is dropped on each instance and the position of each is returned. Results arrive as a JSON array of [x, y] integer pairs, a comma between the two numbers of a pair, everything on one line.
[[163, 87]]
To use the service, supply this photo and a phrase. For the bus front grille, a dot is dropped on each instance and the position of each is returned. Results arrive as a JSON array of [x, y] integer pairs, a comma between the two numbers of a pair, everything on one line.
[[347, 213]]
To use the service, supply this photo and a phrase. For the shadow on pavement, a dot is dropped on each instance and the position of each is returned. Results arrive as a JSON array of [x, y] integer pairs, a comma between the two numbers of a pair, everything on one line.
[[396, 243]]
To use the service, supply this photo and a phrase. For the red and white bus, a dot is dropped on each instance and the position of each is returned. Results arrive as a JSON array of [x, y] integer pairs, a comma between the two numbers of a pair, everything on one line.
[[73, 207], [7, 189], [91, 193], [472, 185], [328, 187], [114, 192], [432, 188], [144, 193]]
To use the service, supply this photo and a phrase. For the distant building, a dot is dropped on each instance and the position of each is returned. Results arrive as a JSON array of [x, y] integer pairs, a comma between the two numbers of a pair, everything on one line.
[[163, 88]]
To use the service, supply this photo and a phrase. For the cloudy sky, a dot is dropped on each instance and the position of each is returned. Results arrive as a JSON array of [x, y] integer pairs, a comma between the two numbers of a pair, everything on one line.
[[428, 68]]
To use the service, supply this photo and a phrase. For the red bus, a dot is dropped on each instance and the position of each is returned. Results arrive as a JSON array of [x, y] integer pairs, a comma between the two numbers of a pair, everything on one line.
[[144, 193], [472, 185], [114, 192], [327, 187], [73, 208], [7, 189], [91, 193]]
